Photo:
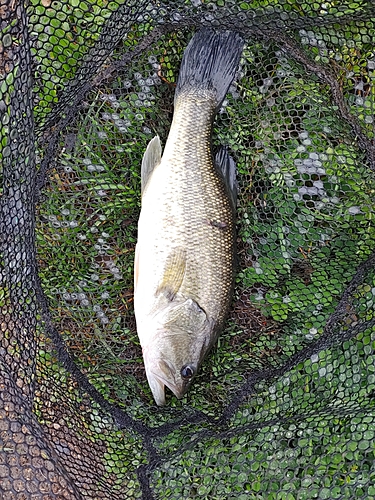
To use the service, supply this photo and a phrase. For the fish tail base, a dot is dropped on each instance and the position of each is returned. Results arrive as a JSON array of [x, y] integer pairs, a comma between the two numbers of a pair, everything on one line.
[[209, 65]]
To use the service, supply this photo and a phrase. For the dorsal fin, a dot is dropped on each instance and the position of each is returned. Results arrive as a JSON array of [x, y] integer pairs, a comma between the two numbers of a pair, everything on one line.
[[226, 166], [151, 159]]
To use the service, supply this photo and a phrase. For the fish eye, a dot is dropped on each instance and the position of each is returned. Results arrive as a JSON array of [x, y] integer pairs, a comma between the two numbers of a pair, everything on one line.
[[187, 371]]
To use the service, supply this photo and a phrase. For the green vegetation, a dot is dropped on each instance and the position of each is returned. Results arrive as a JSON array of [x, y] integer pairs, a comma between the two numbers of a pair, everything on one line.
[[63, 32], [306, 210], [305, 219]]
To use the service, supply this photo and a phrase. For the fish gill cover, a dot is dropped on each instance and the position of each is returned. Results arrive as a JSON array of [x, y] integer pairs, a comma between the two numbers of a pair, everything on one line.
[[283, 407]]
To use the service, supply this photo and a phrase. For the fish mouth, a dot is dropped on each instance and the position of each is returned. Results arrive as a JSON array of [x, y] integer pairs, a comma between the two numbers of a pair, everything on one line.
[[158, 383], [160, 374]]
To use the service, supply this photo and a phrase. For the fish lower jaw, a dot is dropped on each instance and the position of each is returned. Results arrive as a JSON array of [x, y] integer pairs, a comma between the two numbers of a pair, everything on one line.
[[158, 385]]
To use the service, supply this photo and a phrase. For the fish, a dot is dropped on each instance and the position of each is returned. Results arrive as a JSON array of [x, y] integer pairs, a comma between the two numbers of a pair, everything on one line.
[[184, 264]]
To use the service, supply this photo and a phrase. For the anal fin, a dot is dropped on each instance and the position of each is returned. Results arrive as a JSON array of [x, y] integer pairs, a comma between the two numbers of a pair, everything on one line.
[[151, 159]]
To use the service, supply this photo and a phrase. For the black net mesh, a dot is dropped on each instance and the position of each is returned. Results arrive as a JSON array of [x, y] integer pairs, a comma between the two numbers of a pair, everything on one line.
[[283, 407]]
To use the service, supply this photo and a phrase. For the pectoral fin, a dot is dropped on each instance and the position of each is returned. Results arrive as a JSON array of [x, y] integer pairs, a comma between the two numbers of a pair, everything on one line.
[[151, 159], [174, 273], [227, 168]]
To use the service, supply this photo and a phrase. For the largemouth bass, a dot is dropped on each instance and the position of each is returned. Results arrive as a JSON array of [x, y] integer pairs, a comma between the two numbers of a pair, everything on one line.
[[185, 253]]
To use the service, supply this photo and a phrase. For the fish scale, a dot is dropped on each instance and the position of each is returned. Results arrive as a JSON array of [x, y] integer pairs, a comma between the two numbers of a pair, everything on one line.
[[181, 202], [184, 266]]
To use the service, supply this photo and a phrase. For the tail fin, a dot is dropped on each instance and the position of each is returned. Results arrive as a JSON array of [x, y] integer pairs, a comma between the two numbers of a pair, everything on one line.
[[210, 63]]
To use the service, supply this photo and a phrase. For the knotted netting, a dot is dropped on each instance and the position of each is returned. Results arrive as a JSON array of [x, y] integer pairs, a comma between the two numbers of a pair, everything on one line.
[[283, 407]]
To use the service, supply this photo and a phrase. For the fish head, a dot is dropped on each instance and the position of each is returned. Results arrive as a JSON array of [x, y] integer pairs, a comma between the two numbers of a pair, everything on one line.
[[176, 349]]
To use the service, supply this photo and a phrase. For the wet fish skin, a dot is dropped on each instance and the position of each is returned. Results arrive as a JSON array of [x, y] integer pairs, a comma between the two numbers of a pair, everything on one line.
[[184, 263]]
